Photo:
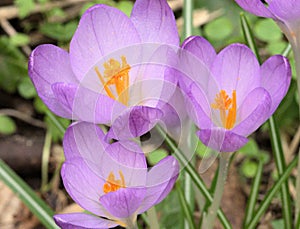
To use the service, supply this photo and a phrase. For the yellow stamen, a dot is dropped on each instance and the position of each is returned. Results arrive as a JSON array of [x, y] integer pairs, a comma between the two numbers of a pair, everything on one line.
[[118, 75], [224, 104], [112, 184]]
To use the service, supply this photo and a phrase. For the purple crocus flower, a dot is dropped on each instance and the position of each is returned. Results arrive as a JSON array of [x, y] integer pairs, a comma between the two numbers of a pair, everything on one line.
[[229, 94], [106, 77], [285, 13], [111, 181]]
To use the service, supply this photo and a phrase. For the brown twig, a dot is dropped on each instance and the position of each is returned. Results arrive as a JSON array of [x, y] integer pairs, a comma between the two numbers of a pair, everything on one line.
[[26, 118], [9, 29]]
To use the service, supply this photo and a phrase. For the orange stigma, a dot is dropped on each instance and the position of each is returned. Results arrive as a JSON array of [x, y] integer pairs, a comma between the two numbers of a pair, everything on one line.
[[112, 184], [116, 74], [224, 103]]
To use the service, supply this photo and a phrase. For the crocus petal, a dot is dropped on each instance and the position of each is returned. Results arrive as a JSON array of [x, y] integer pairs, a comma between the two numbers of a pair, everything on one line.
[[276, 78], [256, 7], [285, 10], [221, 140], [127, 157], [83, 185], [82, 220], [84, 140], [134, 122], [198, 107], [160, 181], [201, 48], [253, 112], [236, 68], [101, 30], [155, 21], [123, 202], [49, 64], [65, 94]]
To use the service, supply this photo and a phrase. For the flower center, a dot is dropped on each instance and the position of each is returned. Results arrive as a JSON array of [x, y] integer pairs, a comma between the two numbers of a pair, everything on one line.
[[227, 107], [112, 184], [116, 74]]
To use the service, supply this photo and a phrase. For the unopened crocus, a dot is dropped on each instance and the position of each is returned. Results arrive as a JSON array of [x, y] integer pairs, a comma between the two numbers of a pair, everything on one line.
[[110, 181], [229, 95], [107, 76]]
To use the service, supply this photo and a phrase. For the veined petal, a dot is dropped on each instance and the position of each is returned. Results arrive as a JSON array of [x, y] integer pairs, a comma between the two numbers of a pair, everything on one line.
[[127, 157], [236, 68], [253, 112], [65, 95], [82, 220], [285, 10], [276, 79], [83, 185], [155, 22], [198, 107], [47, 65], [256, 7], [106, 29], [134, 122], [221, 140], [201, 48], [123, 202], [84, 140], [160, 181]]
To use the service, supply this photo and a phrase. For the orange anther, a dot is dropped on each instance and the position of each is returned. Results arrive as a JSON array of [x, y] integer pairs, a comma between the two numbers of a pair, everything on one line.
[[227, 107], [116, 74]]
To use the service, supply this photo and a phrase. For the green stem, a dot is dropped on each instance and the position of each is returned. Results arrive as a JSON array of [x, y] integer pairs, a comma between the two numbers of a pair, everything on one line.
[[271, 193], [152, 217], [275, 138], [280, 165], [188, 18], [36, 205], [56, 122], [194, 175], [209, 220], [45, 160], [186, 209], [297, 204], [253, 194], [188, 30]]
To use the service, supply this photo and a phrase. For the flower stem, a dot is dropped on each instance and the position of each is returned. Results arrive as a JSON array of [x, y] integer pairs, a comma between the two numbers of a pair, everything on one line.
[[194, 175], [45, 160], [297, 205], [152, 216], [222, 176]]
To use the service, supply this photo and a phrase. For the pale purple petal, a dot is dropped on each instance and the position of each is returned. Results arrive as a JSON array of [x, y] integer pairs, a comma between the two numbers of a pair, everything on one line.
[[221, 140], [84, 140], [123, 202], [276, 78], [127, 157], [95, 107], [82, 220], [236, 68], [65, 94], [83, 185], [288, 10], [253, 112], [201, 48], [101, 31], [155, 21], [160, 181], [256, 7], [47, 65], [134, 122], [198, 107]]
